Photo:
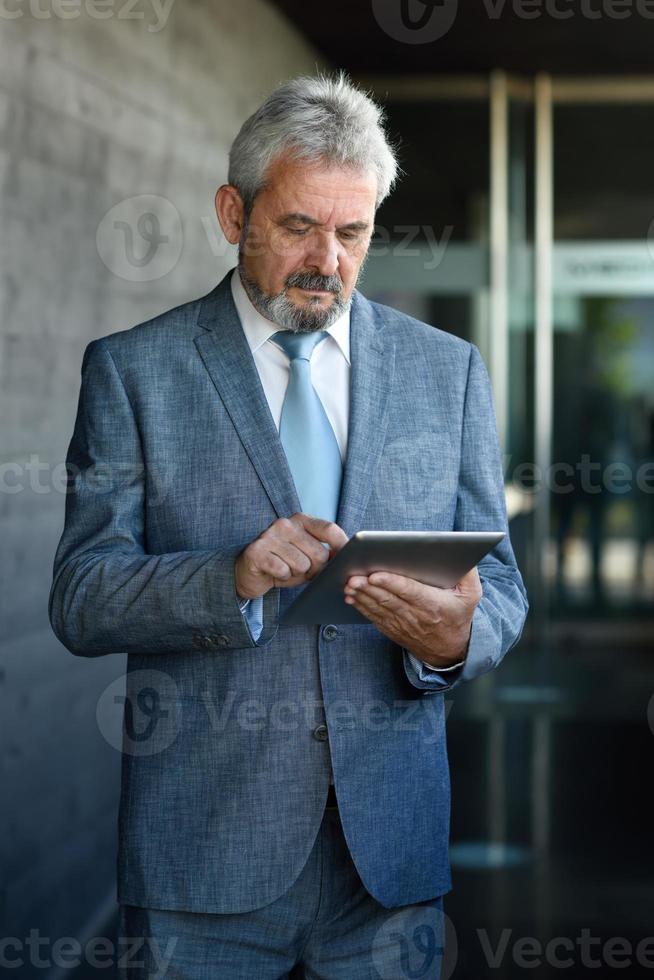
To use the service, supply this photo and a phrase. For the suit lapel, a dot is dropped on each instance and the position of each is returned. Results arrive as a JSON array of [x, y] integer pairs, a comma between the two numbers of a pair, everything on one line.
[[228, 359], [373, 364]]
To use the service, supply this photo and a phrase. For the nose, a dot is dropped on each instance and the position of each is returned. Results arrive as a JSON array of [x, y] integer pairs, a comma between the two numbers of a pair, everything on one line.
[[324, 255]]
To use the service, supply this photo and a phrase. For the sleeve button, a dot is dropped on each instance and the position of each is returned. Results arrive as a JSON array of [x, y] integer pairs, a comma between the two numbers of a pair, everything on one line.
[[217, 639]]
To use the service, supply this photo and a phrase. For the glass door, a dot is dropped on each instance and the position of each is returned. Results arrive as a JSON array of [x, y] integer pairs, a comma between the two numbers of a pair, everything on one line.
[[580, 355], [601, 551], [525, 223]]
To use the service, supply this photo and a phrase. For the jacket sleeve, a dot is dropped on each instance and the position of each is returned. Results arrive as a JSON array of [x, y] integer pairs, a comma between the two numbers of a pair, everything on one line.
[[108, 595], [500, 615]]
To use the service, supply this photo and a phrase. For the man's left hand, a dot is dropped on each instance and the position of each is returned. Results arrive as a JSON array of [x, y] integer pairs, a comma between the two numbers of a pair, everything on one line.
[[431, 623]]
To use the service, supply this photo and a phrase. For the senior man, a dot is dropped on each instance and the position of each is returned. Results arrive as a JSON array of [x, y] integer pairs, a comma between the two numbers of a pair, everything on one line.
[[288, 814]]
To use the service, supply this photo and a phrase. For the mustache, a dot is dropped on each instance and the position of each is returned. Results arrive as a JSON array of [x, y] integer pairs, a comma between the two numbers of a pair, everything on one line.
[[311, 280]]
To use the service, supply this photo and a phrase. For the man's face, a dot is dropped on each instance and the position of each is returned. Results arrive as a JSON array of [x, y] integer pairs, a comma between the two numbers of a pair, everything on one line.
[[305, 242]]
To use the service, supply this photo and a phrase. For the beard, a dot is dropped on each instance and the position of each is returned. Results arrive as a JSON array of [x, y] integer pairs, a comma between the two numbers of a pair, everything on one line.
[[282, 311]]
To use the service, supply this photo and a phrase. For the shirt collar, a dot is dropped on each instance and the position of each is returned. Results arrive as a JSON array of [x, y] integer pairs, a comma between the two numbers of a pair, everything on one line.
[[258, 329]]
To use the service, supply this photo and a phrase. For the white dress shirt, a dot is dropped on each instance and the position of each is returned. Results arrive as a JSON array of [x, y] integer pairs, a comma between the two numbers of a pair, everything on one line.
[[330, 376]]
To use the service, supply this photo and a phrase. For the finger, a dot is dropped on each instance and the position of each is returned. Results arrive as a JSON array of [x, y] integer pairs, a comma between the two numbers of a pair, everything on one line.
[[298, 538], [382, 597], [272, 566], [365, 605], [398, 620], [290, 530], [274, 556], [387, 607], [297, 560], [413, 592], [322, 530], [317, 552]]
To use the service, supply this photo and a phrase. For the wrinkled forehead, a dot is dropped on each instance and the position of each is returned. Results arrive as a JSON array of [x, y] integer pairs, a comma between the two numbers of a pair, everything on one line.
[[325, 193]]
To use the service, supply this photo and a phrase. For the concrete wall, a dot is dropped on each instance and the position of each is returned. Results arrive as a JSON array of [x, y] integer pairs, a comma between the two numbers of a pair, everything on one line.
[[95, 110]]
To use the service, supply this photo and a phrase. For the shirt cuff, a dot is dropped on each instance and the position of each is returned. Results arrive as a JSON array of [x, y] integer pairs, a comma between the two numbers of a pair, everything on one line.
[[252, 610], [435, 677], [439, 670]]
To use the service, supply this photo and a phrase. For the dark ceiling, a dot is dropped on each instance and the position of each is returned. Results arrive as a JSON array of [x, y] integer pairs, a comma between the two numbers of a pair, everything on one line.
[[523, 36]]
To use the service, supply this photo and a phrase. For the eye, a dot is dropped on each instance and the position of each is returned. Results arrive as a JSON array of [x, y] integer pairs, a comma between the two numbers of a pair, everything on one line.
[[297, 231]]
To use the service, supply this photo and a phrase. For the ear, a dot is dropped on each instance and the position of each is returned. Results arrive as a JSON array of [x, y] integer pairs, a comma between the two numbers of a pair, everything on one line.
[[231, 212]]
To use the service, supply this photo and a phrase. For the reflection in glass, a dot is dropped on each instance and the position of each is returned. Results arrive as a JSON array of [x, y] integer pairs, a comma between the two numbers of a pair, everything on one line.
[[602, 478]]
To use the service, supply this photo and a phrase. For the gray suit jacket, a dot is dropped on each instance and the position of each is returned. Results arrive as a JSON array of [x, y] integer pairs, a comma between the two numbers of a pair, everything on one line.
[[175, 465]]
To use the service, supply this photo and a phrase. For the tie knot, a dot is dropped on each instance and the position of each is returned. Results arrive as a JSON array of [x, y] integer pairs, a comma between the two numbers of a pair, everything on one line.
[[298, 344]]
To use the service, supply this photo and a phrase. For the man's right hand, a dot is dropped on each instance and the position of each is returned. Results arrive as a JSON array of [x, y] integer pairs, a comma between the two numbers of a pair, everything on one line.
[[288, 553]]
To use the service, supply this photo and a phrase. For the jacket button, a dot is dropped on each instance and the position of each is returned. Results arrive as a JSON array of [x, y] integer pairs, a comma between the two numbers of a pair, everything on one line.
[[320, 733], [329, 633]]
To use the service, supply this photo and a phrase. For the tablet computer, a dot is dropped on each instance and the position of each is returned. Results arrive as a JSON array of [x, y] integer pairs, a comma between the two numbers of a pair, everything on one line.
[[433, 557]]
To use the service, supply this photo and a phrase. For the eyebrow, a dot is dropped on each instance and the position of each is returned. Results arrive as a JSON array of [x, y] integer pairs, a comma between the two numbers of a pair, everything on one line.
[[306, 219]]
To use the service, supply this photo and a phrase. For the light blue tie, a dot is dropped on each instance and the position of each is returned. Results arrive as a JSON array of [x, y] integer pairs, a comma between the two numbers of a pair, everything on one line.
[[309, 443], [307, 436], [305, 431]]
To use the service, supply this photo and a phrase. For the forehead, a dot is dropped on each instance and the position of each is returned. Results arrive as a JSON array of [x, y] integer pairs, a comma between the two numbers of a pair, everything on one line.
[[324, 192]]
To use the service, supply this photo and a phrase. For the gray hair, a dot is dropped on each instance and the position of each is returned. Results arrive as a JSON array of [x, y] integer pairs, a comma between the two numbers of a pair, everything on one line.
[[319, 119]]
